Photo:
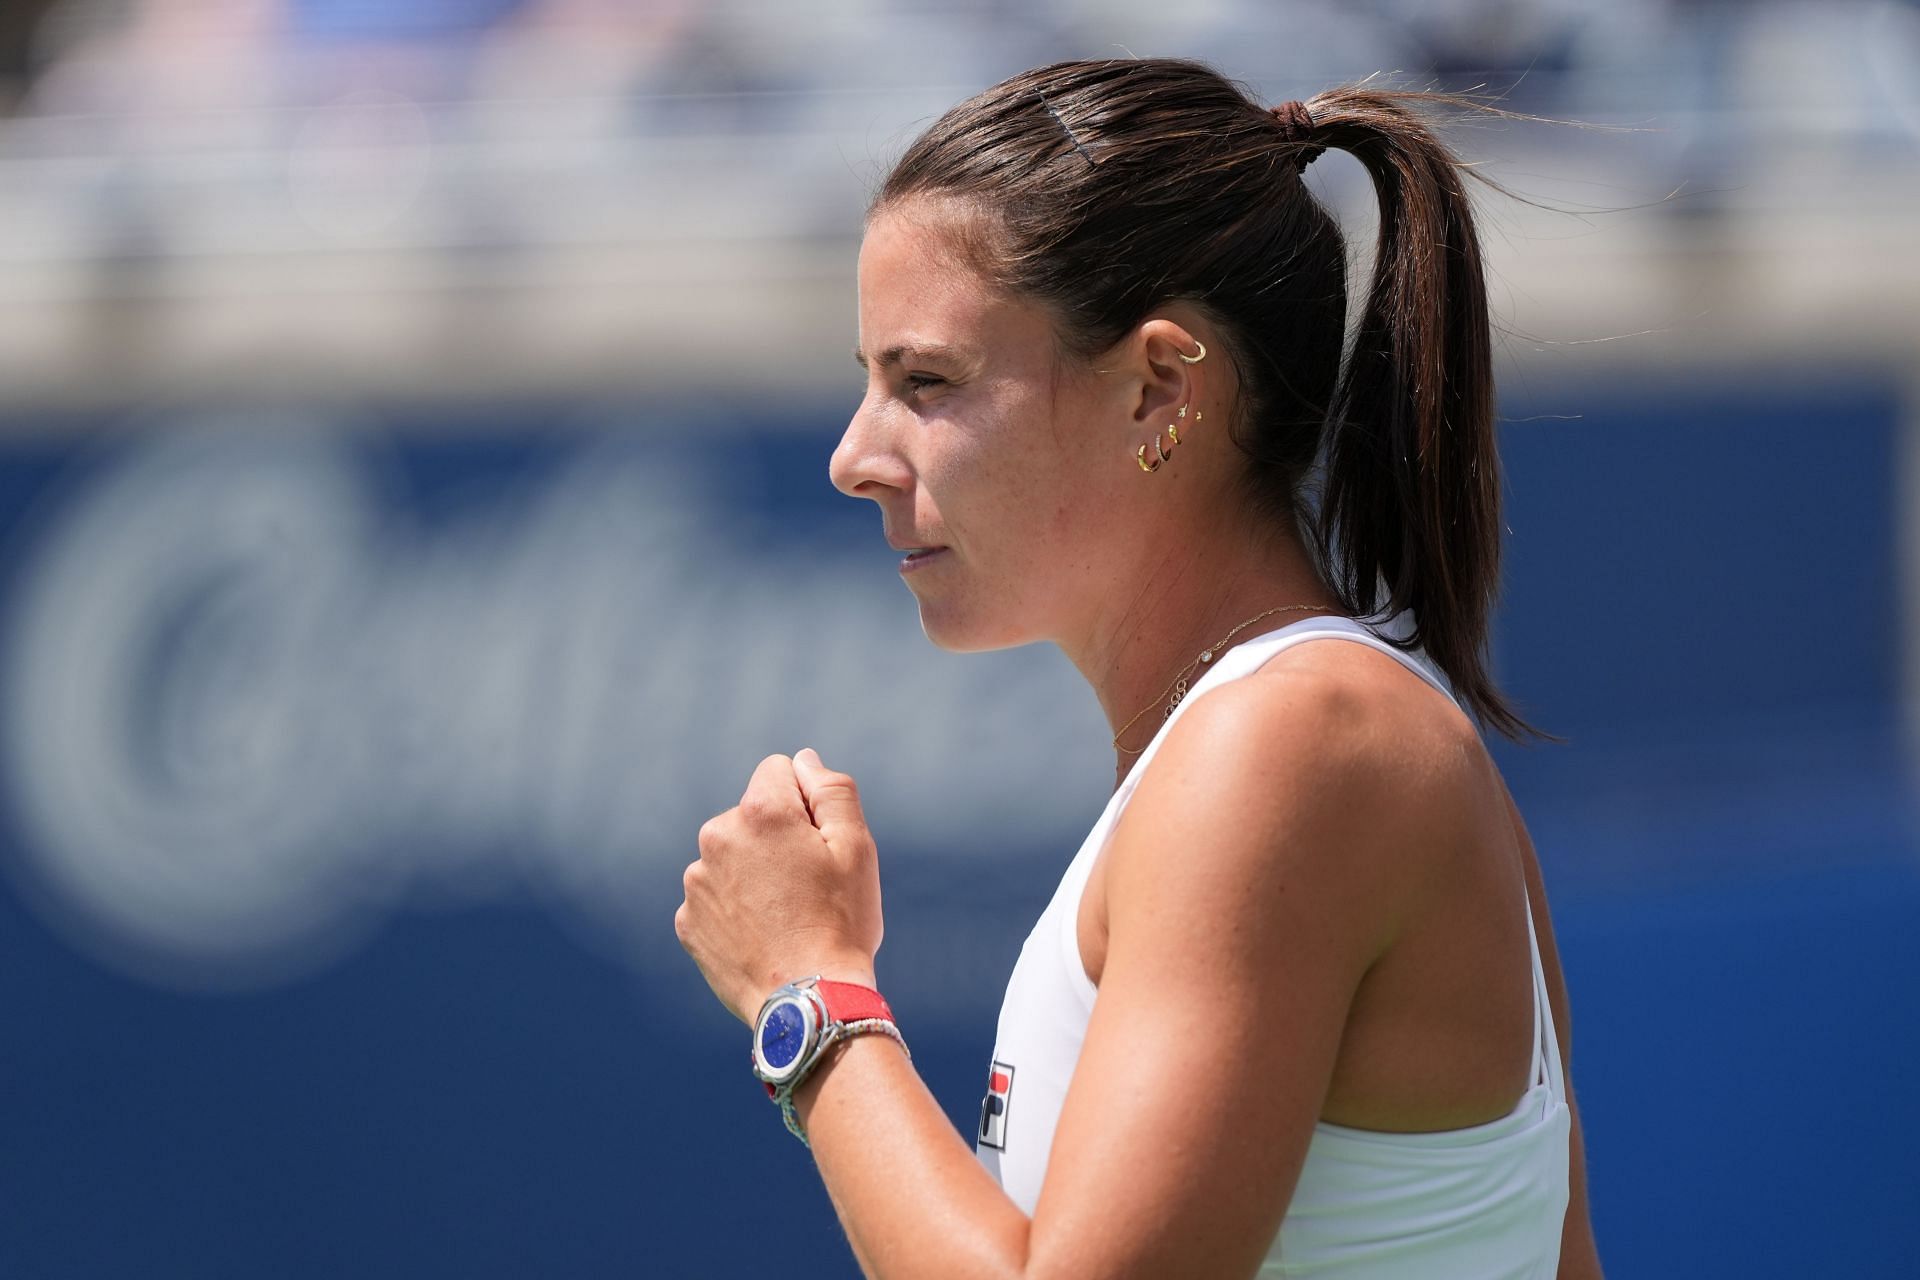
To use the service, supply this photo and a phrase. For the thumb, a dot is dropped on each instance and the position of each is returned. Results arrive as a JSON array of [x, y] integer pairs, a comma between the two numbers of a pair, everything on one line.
[[832, 798]]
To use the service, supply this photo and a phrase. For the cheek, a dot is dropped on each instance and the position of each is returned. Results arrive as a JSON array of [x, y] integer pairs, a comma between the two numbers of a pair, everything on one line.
[[1042, 503], [1078, 528], [1019, 484], [1066, 507], [991, 477], [1063, 521], [1078, 500]]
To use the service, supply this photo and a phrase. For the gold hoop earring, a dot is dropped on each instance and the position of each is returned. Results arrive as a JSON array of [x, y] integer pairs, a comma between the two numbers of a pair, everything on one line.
[[1159, 456], [1196, 359]]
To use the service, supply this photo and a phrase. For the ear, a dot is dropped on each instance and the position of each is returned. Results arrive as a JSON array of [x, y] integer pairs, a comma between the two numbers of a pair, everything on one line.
[[1163, 380]]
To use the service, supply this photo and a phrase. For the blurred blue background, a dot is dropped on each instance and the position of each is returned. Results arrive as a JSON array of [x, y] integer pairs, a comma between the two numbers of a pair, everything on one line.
[[414, 523]]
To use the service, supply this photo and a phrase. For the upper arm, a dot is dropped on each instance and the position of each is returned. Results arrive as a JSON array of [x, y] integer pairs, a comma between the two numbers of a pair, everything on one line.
[[1258, 871]]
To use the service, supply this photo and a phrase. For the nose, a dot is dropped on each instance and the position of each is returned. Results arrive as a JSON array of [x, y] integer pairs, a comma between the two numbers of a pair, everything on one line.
[[865, 461]]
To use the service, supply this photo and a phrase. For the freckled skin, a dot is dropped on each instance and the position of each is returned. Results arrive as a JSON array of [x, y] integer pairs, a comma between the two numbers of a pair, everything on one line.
[[980, 461]]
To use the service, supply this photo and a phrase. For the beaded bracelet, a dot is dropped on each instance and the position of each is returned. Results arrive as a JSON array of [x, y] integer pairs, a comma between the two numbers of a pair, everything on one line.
[[836, 1033]]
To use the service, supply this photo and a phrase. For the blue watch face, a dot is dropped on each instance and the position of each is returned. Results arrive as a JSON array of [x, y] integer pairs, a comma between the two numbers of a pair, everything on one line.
[[783, 1035]]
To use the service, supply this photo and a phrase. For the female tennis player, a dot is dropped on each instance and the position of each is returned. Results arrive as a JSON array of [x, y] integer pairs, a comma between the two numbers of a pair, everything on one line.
[[1295, 1008]]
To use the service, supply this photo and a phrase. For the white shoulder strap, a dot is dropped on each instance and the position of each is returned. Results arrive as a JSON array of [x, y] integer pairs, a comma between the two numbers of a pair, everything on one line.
[[1546, 1041]]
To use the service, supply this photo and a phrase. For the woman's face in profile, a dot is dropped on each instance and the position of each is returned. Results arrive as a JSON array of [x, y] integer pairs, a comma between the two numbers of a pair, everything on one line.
[[969, 438]]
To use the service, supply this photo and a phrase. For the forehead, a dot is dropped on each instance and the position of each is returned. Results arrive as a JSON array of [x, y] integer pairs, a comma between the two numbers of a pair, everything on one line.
[[918, 290]]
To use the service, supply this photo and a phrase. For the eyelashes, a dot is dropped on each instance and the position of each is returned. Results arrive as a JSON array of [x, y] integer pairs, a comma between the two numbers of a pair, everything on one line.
[[914, 383]]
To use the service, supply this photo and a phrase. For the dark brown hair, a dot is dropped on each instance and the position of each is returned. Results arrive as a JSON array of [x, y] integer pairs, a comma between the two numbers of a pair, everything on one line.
[[1109, 187]]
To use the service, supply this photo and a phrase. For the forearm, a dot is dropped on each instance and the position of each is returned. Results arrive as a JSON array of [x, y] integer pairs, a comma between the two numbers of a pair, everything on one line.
[[913, 1199]]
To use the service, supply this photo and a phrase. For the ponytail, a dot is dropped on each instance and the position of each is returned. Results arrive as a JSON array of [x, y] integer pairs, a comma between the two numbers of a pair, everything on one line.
[[1410, 477]]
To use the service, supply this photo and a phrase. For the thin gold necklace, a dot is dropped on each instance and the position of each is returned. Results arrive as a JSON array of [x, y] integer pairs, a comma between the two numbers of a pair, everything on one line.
[[1179, 686]]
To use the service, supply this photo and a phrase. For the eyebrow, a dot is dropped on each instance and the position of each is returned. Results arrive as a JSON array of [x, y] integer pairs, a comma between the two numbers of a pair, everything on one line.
[[901, 352]]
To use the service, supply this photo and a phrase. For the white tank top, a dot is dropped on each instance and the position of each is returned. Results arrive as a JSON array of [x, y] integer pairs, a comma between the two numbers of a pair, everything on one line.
[[1483, 1203]]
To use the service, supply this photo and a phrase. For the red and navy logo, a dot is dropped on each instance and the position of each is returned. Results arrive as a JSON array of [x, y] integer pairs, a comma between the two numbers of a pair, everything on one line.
[[993, 1108]]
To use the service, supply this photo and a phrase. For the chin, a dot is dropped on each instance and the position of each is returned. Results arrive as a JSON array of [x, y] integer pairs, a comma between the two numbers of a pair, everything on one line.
[[958, 629]]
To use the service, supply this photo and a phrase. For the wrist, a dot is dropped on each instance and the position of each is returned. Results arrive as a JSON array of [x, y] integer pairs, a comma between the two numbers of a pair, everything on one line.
[[808, 1089], [853, 973], [859, 972], [804, 1025]]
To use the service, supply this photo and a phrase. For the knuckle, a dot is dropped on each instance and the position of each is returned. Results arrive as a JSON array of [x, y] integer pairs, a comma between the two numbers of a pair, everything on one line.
[[757, 810], [710, 832]]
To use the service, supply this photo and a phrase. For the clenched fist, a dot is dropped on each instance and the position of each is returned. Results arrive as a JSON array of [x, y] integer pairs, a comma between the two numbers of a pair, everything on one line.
[[787, 885]]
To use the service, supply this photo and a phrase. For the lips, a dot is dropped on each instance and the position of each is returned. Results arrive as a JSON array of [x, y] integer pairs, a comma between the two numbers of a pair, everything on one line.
[[920, 556]]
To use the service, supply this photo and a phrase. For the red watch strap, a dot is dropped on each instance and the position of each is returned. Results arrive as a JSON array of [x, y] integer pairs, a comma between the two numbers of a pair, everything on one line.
[[849, 1001], [845, 1002]]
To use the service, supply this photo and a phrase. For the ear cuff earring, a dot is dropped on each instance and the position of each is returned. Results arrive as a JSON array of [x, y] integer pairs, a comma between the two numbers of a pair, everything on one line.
[[1173, 428]]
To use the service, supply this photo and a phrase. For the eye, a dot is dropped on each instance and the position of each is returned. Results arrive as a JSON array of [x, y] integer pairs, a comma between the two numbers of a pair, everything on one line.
[[921, 381]]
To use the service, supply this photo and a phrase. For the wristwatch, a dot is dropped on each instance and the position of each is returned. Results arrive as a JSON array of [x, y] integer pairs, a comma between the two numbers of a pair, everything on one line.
[[799, 1022]]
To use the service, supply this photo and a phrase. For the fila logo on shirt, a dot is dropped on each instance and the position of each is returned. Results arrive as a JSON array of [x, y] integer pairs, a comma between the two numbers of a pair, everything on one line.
[[993, 1108]]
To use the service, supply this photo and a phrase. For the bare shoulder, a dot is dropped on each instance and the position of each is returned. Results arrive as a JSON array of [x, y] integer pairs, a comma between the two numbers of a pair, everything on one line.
[[1350, 722], [1316, 774], [1372, 700]]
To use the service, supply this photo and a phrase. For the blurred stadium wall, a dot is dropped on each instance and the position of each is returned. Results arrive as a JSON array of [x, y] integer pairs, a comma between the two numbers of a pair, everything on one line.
[[414, 522]]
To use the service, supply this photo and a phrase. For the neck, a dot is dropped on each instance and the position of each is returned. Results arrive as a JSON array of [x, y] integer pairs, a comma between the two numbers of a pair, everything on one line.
[[1186, 599]]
